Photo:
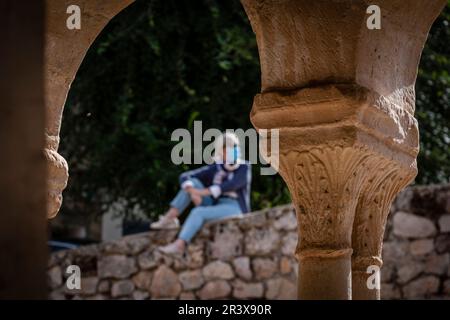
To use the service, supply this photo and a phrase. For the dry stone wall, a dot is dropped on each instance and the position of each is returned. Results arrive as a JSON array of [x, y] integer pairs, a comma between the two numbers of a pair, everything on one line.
[[252, 258]]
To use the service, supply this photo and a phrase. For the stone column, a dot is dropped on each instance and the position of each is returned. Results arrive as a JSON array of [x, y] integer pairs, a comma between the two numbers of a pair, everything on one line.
[[64, 52], [23, 250], [342, 97]]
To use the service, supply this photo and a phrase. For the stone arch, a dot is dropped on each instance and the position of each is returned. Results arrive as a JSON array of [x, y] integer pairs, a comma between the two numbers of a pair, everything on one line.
[[343, 99], [64, 52]]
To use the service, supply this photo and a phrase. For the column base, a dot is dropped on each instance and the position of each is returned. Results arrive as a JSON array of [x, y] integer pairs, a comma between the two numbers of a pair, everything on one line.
[[325, 275], [360, 290]]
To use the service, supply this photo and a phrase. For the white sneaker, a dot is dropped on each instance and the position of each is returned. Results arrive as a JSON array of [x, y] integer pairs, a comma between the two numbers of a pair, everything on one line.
[[171, 248], [165, 223]]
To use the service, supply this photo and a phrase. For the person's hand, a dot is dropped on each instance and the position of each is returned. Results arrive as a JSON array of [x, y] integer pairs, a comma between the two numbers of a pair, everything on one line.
[[196, 199], [196, 195]]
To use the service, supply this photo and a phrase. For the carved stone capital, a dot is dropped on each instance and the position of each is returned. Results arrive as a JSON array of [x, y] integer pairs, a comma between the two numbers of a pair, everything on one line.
[[57, 173], [338, 150], [342, 96]]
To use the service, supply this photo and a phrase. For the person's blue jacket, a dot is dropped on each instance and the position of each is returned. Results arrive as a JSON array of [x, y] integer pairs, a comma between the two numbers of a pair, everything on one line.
[[224, 182]]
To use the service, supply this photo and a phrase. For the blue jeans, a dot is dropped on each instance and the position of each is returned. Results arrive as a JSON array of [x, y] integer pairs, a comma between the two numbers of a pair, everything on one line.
[[206, 211]]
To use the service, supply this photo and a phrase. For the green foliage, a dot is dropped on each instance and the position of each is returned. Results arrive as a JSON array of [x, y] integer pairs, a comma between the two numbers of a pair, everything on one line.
[[160, 65], [433, 104], [156, 67]]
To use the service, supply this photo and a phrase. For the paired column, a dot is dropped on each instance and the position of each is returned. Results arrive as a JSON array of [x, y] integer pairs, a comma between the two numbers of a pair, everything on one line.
[[342, 97]]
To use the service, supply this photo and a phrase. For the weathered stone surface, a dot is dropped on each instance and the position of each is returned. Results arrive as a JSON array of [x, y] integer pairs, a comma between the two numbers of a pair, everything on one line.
[[187, 296], [444, 223], [122, 288], [442, 243], [89, 285], [289, 243], [390, 291], [218, 270], [423, 287], [146, 260], [403, 201], [115, 247], [57, 295], [137, 244], [446, 287], [387, 273], [285, 265], [54, 277], [393, 252], [280, 210], [143, 280], [421, 247], [191, 279], [405, 262], [104, 286], [411, 226], [56, 258], [165, 283], [244, 290], [264, 268], [226, 243], [214, 290], [261, 241], [437, 264], [281, 288], [140, 295], [116, 266], [162, 258], [409, 271], [253, 220], [196, 256], [242, 267], [96, 297], [287, 221]]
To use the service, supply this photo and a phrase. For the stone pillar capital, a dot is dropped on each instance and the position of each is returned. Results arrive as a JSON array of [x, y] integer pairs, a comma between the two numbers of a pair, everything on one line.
[[342, 97]]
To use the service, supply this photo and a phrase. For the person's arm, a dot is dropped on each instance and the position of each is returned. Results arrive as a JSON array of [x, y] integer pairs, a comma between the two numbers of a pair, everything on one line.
[[203, 174], [239, 180]]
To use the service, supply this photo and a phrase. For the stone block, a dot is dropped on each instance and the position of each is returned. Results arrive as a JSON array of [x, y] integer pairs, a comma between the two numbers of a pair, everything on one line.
[[143, 280], [218, 270], [245, 290], [122, 288], [261, 241], [444, 223], [165, 283], [437, 264], [264, 268], [281, 288], [421, 288], [421, 247], [54, 277], [216, 289], [242, 267], [116, 266], [288, 221], [408, 225], [191, 279]]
